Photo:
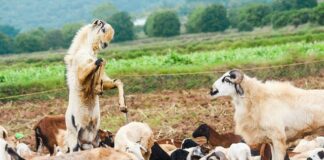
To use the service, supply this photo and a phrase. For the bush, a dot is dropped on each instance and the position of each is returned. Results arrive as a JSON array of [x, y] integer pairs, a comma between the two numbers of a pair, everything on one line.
[[213, 19], [301, 16], [194, 20], [54, 39], [31, 41], [245, 26], [9, 30], [162, 24], [123, 25], [293, 17], [319, 14], [5, 44], [282, 5], [255, 14]]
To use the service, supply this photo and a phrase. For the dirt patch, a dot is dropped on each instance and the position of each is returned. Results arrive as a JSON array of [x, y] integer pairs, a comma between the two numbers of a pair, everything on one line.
[[172, 114]]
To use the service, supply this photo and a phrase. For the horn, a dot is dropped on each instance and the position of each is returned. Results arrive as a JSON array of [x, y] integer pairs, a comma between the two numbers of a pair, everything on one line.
[[96, 22], [236, 76]]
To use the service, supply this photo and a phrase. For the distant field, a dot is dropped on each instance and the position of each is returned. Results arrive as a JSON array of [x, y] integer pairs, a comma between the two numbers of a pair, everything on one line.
[[29, 73]]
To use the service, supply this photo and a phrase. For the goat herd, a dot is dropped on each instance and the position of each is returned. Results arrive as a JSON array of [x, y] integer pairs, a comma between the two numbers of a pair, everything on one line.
[[273, 120]]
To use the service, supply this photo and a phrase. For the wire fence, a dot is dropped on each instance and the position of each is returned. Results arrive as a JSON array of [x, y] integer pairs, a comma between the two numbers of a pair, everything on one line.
[[174, 74]]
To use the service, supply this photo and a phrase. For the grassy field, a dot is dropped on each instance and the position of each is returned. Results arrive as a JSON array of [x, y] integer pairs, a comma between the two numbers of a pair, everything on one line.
[[27, 73]]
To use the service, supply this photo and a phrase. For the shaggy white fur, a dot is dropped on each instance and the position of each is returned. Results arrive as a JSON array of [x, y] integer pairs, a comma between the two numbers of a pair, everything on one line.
[[86, 79]]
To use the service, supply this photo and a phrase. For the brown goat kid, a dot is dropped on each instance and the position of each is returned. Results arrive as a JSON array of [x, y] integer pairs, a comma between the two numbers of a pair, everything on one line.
[[214, 138], [51, 130]]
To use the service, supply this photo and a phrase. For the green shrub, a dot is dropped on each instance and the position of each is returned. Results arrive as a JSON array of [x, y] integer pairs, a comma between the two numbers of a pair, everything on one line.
[[245, 26], [176, 59], [319, 14], [69, 31], [255, 14], [213, 19], [54, 39], [194, 20], [31, 41], [162, 24], [123, 26], [5, 44], [282, 5]]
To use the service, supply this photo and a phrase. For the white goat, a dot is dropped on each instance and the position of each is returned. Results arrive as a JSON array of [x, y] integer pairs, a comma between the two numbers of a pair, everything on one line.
[[135, 138], [7, 152], [239, 151], [315, 154], [305, 145], [274, 112]]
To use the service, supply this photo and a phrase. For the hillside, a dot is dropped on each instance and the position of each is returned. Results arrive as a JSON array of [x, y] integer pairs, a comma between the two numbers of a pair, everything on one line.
[[27, 14]]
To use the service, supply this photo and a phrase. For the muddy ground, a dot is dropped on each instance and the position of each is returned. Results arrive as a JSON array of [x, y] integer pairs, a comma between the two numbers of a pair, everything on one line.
[[171, 114]]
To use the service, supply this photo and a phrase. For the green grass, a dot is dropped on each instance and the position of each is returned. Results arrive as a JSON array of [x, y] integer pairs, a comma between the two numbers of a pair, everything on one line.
[[37, 78]]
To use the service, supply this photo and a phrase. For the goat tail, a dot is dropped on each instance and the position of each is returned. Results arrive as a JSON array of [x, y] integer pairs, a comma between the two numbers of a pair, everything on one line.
[[38, 137]]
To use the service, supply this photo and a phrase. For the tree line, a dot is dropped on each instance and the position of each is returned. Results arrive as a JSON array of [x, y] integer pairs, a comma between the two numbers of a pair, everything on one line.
[[166, 23]]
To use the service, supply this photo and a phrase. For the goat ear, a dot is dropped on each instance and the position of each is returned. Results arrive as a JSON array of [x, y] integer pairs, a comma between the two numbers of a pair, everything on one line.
[[321, 154], [96, 22], [239, 89]]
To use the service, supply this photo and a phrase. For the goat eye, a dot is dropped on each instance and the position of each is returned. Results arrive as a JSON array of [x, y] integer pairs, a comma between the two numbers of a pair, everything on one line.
[[104, 30]]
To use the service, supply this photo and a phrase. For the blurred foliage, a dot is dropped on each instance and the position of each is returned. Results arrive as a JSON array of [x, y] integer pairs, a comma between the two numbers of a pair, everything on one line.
[[123, 25], [319, 14], [5, 44], [162, 24], [245, 26], [255, 14], [103, 11], [210, 19], [68, 32], [194, 20], [214, 18], [54, 39], [293, 17], [282, 5], [9, 30], [31, 41]]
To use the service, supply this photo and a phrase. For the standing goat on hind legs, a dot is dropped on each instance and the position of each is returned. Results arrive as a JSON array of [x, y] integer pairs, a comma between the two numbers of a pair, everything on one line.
[[87, 79], [271, 112]]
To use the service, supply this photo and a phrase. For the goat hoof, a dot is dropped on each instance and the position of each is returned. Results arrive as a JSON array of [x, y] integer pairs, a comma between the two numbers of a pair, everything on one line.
[[99, 61], [123, 109]]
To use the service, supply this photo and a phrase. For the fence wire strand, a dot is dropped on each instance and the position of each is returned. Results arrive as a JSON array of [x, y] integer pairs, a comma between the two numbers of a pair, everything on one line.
[[174, 74]]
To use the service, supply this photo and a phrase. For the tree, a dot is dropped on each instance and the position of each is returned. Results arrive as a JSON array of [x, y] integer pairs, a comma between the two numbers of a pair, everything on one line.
[[280, 19], [255, 14], [9, 30], [194, 20], [213, 19], [162, 24], [5, 44], [54, 39], [319, 14], [68, 32], [282, 5], [31, 41], [245, 26], [123, 25], [103, 11]]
